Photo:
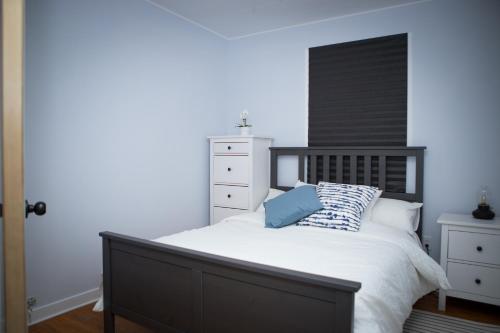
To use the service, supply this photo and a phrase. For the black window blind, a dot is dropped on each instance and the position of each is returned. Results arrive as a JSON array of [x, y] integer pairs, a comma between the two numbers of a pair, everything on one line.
[[358, 97]]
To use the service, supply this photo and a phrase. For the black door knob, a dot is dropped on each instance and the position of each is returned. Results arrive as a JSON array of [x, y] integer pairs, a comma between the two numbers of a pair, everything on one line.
[[39, 208], [228, 147], [228, 169], [229, 195], [478, 281], [479, 248]]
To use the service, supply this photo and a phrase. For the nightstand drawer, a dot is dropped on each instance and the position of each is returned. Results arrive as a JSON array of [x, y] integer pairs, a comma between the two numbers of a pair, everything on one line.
[[231, 148], [472, 246], [220, 213], [474, 279], [231, 169], [231, 196]]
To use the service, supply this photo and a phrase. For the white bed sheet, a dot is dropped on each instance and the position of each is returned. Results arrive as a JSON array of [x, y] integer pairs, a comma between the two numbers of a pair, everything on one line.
[[393, 269]]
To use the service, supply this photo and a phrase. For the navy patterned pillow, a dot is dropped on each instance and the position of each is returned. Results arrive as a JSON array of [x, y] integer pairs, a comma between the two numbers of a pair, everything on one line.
[[343, 206]]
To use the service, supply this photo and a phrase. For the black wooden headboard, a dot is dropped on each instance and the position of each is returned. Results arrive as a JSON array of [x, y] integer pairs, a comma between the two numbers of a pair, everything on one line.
[[355, 165]]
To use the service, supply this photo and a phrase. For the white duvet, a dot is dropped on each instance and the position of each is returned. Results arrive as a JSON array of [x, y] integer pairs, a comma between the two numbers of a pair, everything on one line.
[[392, 268]]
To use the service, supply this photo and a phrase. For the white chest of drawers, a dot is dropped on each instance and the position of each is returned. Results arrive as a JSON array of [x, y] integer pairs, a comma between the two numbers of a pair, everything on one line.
[[470, 256], [239, 174]]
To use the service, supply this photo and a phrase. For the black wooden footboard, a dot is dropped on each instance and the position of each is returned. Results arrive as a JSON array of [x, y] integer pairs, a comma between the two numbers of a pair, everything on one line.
[[172, 289]]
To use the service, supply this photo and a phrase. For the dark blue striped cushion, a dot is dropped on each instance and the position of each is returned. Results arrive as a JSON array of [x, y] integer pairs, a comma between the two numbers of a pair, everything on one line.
[[343, 206]]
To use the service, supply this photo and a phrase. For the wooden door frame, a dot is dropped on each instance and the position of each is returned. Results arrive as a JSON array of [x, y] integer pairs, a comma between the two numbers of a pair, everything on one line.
[[13, 165]]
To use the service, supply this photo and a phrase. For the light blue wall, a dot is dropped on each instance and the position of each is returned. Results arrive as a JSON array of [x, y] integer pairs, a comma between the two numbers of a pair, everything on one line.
[[454, 85], [120, 97]]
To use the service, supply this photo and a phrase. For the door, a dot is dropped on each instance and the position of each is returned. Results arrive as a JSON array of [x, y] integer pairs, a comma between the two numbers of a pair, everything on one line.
[[14, 208], [15, 312]]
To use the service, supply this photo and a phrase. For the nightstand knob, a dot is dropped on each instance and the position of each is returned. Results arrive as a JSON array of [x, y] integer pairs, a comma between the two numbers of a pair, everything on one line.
[[478, 281], [229, 195], [479, 249], [228, 147], [228, 169]]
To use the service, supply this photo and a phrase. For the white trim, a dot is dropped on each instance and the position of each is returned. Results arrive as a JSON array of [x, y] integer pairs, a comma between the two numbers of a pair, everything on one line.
[[64, 305], [409, 91], [306, 122], [410, 162], [152, 3], [327, 19]]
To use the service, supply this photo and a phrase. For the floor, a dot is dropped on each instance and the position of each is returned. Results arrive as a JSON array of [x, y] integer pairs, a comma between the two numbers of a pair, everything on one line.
[[461, 308], [83, 320]]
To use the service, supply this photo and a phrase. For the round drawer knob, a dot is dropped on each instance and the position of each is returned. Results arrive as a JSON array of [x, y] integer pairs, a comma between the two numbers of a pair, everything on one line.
[[228, 147], [229, 195], [228, 169], [478, 281], [479, 249]]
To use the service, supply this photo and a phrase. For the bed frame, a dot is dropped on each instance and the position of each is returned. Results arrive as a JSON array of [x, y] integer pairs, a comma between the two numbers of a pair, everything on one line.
[[172, 289]]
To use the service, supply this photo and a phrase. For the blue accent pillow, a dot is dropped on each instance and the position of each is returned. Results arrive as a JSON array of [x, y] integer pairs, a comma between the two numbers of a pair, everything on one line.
[[292, 206]]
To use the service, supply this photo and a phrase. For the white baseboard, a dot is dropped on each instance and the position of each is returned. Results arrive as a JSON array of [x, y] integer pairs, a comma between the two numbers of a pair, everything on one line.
[[56, 308]]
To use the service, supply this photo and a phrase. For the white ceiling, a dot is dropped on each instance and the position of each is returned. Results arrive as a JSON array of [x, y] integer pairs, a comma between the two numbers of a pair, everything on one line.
[[237, 18]]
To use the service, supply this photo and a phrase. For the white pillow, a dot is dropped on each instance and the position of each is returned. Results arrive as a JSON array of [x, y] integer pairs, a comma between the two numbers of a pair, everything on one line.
[[367, 214], [300, 183], [273, 193], [397, 213]]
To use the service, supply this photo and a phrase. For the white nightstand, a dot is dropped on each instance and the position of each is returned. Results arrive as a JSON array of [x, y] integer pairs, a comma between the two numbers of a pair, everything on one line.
[[239, 174], [470, 256]]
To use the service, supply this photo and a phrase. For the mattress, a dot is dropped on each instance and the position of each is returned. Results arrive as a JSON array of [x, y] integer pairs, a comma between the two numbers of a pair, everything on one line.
[[390, 264]]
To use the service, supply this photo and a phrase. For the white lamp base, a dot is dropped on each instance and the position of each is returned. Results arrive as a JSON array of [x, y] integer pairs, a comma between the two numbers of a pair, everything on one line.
[[244, 130]]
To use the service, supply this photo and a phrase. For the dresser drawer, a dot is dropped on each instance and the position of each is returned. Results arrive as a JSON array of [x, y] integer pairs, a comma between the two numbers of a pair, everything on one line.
[[474, 279], [220, 213], [231, 148], [472, 246], [231, 169], [231, 196]]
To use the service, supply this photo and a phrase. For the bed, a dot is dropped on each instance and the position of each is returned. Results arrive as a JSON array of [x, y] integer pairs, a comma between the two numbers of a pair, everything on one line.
[[238, 276]]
